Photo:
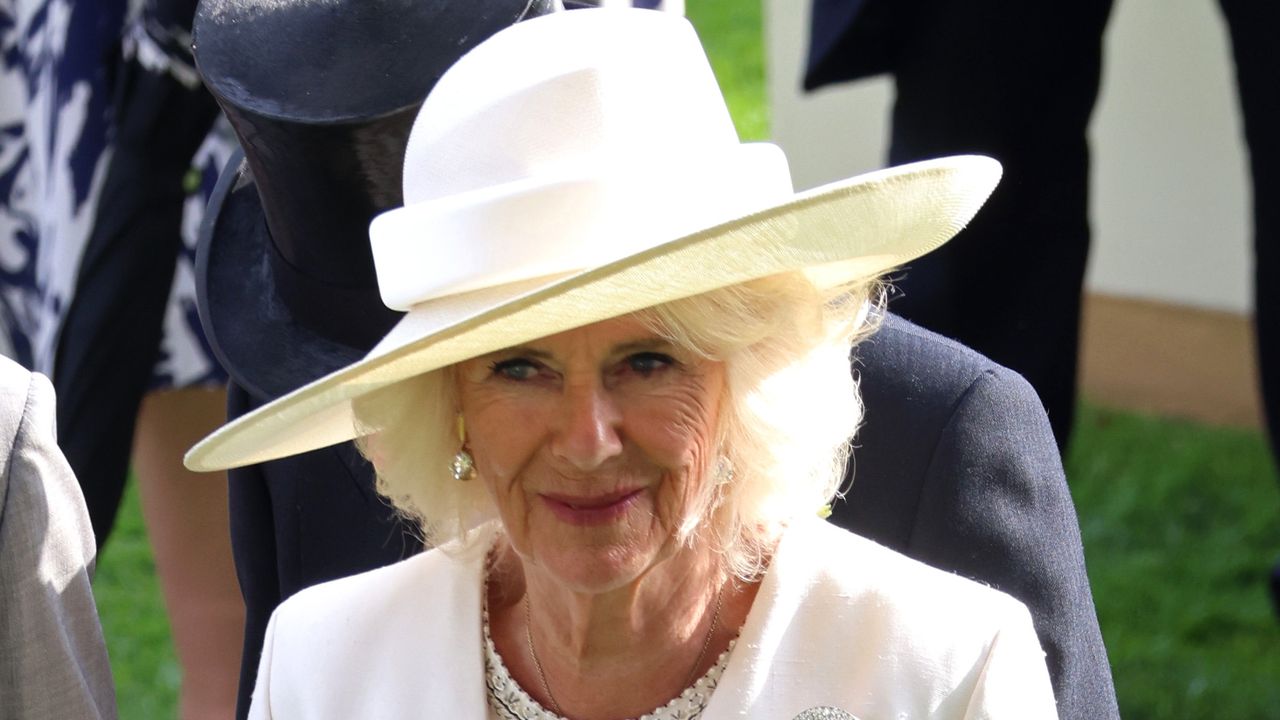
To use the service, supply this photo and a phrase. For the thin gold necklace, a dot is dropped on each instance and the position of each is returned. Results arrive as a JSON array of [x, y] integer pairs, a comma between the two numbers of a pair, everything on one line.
[[542, 675]]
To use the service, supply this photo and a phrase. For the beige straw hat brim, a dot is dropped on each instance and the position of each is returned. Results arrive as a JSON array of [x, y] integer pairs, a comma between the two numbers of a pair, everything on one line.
[[842, 232]]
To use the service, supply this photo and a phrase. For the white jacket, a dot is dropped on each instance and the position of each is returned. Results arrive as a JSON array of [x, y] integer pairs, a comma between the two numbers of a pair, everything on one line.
[[839, 622]]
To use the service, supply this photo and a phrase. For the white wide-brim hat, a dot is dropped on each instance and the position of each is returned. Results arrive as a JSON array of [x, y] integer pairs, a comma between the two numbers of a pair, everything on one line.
[[578, 167]]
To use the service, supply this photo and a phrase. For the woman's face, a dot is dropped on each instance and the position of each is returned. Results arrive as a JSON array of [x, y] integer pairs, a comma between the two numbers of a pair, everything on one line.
[[593, 444]]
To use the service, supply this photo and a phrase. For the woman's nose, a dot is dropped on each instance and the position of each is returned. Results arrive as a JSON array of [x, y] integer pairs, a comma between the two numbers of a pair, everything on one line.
[[588, 432]]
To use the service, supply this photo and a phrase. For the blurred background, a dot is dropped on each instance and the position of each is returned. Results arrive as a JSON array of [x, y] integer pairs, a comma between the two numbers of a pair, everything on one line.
[[1177, 495]]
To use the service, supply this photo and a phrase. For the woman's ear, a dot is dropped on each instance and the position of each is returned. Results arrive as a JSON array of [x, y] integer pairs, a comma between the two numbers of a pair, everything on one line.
[[371, 446]]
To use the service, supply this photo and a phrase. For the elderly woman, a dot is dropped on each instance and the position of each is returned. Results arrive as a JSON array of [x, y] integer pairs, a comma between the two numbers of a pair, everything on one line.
[[618, 404]]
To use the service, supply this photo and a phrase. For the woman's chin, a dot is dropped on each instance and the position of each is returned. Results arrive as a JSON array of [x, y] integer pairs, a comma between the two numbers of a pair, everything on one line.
[[597, 548], [597, 569]]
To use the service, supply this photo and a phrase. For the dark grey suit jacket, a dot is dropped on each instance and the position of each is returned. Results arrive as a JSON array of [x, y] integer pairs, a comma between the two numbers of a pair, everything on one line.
[[841, 49], [956, 466]]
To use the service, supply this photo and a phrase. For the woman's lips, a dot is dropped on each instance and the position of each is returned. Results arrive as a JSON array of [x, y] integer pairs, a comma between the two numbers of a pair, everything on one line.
[[593, 510]]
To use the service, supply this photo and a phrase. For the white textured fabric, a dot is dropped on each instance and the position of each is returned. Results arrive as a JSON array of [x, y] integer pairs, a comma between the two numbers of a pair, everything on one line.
[[838, 622]]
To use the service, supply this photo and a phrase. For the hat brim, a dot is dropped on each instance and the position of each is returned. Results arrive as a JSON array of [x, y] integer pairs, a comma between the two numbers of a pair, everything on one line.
[[840, 232], [250, 329]]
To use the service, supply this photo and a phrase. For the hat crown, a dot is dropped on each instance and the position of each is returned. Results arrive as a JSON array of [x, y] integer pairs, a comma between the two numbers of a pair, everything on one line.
[[560, 144], [566, 94]]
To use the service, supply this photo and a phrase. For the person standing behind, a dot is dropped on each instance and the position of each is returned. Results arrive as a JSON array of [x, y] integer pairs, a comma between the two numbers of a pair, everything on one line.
[[1016, 81], [1252, 26]]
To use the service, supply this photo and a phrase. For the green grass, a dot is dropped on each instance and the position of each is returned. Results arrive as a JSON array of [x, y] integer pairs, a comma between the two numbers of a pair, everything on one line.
[[133, 619], [1181, 524], [730, 30]]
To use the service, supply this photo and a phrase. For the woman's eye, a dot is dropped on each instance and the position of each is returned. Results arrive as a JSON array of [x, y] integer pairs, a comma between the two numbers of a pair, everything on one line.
[[648, 363], [515, 369]]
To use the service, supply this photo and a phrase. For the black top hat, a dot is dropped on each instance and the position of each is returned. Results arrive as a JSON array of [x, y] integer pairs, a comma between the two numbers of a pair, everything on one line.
[[322, 96]]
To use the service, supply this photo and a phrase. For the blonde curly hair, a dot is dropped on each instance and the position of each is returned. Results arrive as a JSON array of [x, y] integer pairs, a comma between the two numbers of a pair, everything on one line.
[[790, 408]]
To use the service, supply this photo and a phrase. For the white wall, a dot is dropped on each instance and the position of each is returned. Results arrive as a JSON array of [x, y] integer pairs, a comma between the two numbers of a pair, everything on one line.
[[1170, 193]]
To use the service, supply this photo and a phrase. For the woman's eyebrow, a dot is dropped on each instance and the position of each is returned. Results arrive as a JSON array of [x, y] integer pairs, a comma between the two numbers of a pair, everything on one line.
[[520, 351], [647, 344]]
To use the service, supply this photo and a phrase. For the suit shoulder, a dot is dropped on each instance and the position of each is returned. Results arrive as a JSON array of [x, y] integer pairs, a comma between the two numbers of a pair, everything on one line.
[[27, 422], [902, 339], [904, 358], [13, 375], [17, 388]]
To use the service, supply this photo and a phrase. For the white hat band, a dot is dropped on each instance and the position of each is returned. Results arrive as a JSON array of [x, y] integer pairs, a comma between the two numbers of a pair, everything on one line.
[[529, 229]]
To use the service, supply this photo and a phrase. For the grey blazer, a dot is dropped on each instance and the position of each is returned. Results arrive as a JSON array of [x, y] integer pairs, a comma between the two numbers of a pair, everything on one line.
[[53, 660]]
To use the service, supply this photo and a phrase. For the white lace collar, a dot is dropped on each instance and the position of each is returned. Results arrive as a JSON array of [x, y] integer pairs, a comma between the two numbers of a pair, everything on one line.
[[510, 702]]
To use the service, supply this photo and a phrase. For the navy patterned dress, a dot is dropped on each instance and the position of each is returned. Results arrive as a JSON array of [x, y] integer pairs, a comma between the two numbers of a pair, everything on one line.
[[57, 59]]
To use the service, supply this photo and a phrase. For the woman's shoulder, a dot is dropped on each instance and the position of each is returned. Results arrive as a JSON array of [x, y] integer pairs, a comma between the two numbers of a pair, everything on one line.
[[902, 607], [857, 567], [377, 643], [388, 606], [908, 602], [378, 591], [880, 634]]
